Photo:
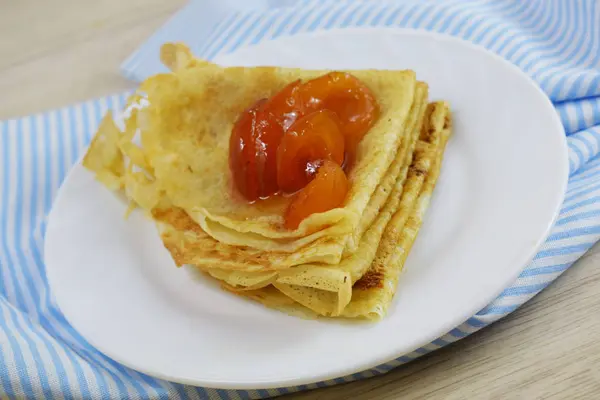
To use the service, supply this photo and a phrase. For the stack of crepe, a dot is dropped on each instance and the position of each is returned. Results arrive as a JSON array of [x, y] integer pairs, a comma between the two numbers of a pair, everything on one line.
[[170, 158]]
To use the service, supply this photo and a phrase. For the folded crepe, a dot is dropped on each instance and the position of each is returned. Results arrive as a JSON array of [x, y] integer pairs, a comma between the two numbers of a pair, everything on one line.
[[171, 160], [183, 121], [196, 247]]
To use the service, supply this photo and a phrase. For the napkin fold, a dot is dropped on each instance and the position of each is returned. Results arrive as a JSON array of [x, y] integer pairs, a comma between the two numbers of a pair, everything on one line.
[[556, 42]]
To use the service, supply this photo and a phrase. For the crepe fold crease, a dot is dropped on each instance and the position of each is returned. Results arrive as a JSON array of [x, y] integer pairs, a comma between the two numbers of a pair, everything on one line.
[[170, 159]]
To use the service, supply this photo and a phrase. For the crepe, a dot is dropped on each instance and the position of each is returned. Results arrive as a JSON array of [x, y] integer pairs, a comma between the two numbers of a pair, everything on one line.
[[322, 287], [171, 160], [194, 246], [185, 135], [184, 129], [373, 271]]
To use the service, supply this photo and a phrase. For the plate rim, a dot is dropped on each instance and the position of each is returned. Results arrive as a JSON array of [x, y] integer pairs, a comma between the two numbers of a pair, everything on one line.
[[367, 363]]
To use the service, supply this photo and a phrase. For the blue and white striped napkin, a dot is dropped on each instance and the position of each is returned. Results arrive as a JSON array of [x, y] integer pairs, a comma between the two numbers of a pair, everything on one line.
[[557, 42]]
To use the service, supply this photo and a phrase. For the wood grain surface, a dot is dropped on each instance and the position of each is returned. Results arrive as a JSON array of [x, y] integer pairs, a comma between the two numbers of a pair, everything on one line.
[[57, 52]]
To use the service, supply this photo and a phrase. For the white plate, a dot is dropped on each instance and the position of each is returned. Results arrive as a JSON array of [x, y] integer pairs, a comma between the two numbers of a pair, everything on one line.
[[502, 182]]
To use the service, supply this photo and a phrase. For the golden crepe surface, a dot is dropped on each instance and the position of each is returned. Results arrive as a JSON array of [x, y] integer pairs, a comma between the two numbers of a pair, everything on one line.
[[322, 287], [373, 293], [185, 132], [199, 248], [171, 161], [249, 252]]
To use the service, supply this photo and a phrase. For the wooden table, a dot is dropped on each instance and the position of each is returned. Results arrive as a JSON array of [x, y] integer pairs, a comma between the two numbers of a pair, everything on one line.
[[56, 52]]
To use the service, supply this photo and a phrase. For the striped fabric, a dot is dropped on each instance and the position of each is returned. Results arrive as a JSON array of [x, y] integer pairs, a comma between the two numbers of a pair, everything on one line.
[[557, 42]]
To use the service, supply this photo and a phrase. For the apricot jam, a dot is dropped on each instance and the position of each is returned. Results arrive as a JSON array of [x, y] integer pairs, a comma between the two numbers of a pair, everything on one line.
[[296, 142]]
